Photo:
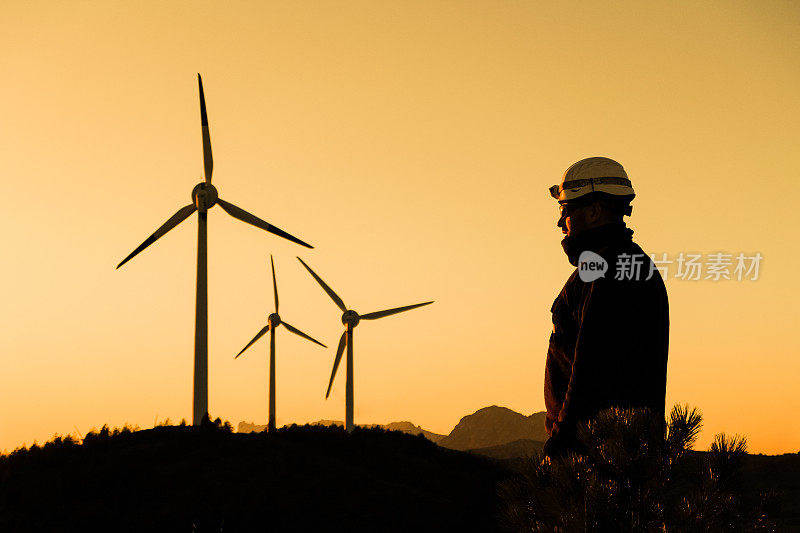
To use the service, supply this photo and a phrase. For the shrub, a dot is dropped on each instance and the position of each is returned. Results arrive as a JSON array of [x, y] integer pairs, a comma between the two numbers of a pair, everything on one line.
[[638, 474]]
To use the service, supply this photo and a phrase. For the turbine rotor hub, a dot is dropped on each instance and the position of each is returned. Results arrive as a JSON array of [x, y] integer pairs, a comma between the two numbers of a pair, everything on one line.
[[204, 196], [350, 317], [274, 320]]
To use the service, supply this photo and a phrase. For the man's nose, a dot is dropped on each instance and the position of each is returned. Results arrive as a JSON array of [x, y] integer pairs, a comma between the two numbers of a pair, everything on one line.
[[562, 221]]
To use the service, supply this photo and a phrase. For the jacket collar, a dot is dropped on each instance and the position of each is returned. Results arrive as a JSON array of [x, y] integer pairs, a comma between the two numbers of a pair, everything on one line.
[[595, 239]]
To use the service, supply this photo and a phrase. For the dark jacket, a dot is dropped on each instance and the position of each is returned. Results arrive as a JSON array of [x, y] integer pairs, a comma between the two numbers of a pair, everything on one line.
[[610, 337]]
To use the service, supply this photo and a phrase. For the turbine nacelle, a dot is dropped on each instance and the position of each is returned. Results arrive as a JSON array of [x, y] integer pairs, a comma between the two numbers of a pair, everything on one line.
[[204, 196], [274, 320], [350, 318]]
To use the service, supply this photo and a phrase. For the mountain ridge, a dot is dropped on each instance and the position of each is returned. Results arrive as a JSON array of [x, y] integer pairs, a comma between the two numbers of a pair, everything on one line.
[[484, 429]]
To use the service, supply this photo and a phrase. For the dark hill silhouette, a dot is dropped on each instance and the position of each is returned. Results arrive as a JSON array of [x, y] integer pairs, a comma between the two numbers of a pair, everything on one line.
[[308, 478], [411, 429], [517, 449], [494, 426]]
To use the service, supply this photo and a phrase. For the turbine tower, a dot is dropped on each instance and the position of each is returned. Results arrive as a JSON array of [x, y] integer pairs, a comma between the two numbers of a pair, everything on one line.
[[204, 197], [351, 319], [273, 322]]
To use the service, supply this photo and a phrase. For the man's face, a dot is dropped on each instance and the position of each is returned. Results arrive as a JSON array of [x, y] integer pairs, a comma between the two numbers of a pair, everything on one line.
[[573, 219]]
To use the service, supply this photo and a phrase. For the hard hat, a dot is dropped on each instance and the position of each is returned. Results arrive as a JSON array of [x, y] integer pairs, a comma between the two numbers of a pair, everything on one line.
[[591, 176]]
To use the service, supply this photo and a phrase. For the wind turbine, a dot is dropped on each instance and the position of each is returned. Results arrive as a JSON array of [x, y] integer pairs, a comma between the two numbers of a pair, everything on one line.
[[204, 197], [273, 322], [351, 319]]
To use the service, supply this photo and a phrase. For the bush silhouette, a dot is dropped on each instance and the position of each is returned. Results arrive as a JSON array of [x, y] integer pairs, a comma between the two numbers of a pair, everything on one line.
[[638, 474]]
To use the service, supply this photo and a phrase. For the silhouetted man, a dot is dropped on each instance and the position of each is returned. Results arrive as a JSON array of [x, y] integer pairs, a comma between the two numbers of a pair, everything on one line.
[[611, 320]]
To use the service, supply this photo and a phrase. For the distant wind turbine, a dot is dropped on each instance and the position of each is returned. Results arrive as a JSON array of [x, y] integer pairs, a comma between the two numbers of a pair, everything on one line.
[[351, 319], [204, 197], [273, 322]]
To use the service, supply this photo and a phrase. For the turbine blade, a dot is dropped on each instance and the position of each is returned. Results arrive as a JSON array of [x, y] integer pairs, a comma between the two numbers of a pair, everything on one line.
[[258, 336], [274, 283], [335, 297], [208, 159], [298, 332], [244, 216], [339, 352], [182, 214], [387, 312]]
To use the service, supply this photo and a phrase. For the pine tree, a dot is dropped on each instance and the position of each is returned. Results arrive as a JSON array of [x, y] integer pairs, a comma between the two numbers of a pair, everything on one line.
[[638, 474]]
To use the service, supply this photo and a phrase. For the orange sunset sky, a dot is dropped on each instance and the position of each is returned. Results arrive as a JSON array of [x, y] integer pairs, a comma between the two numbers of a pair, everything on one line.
[[412, 143]]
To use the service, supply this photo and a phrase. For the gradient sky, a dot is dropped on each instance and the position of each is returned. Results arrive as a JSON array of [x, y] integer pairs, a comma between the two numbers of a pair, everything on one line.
[[412, 143]]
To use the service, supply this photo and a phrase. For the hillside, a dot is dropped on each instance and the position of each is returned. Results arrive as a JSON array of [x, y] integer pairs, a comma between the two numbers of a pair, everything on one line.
[[411, 429], [494, 426], [305, 478], [518, 449], [308, 478]]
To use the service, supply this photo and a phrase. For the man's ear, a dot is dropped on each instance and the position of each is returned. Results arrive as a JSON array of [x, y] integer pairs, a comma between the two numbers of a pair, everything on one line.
[[595, 212]]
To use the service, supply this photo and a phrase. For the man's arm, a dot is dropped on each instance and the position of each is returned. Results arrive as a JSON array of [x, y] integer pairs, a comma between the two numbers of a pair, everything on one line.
[[600, 330]]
